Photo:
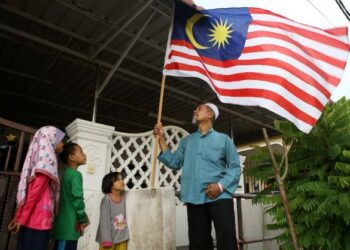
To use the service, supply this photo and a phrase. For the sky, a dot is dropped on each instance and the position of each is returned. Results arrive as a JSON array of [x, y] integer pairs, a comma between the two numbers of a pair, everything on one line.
[[328, 15]]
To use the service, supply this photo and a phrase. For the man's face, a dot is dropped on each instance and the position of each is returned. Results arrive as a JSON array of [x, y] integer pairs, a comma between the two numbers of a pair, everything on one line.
[[201, 113]]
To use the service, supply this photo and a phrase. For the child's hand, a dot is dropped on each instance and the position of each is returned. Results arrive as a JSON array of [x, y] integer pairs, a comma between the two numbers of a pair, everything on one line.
[[14, 226], [81, 229], [87, 223], [83, 226]]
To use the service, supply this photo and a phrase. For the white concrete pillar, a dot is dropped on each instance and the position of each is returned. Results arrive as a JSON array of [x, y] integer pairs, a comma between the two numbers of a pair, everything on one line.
[[95, 140], [151, 218]]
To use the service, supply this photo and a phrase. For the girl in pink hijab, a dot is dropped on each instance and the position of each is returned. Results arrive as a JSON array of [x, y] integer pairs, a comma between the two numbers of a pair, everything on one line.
[[38, 190]]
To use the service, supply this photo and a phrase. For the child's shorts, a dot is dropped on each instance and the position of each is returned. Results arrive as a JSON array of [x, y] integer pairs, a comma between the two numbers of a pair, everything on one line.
[[120, 246], [66, 245]]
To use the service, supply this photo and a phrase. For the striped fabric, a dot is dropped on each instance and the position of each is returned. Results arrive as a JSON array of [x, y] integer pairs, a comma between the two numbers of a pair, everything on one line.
[[286, 67]]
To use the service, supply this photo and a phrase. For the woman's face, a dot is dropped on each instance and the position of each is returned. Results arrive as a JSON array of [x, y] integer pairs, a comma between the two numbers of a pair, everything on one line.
[[59, 147]]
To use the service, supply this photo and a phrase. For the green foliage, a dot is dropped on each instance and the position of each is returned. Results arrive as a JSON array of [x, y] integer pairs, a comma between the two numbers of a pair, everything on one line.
[[317, 184]]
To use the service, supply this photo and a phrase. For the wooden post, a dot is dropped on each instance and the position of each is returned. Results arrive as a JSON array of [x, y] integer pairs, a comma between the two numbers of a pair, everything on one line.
[[280, 183], [155, 151]]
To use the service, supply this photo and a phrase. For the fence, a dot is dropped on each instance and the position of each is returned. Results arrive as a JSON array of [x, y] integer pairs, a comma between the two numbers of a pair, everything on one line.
[[132, 154], [11, 160]]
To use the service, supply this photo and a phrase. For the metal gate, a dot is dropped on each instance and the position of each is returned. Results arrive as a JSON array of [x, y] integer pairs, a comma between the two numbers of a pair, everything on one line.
[[14, 141]]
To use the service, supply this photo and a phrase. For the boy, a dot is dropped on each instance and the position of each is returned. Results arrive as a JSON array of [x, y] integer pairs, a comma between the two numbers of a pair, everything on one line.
[[71, 220]]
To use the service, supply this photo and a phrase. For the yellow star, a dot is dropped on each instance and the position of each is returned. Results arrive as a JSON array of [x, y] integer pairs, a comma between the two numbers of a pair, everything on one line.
[[11, 137], [220, 33]]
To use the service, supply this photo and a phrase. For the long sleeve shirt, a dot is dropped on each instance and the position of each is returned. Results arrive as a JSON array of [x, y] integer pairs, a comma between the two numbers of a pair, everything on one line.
[[112, 228], [71, 208], [205, 159], [37, 211]]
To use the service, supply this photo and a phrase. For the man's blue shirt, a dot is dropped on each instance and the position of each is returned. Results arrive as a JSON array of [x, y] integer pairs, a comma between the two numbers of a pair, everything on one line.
[[204, 159]]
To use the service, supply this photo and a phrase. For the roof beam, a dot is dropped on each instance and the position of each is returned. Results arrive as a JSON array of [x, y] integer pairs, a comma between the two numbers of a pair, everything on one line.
[[114, 26], [120, 60], [101, 19], [43, 22], [116, 23], [55, 104], [88, 41], [107, 100], [17, 73], [167, 15], [84, 57]]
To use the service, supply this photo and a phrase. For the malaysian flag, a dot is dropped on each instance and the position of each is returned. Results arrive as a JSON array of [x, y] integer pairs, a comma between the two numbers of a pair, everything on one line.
[[252, 56]]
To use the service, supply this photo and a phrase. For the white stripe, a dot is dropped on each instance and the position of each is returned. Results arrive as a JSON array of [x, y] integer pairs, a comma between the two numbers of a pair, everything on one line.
[[272, 18], [258, 69], [344, 39], [291, 61], [274, 41], [307, 108], [278, 56], [247, 101], [263, 85], [317, 45], [270, 105], [251, 56]]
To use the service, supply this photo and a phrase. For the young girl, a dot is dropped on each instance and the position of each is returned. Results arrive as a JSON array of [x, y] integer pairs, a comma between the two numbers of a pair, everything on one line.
[[71, 220], [38, 190], [113, 232]]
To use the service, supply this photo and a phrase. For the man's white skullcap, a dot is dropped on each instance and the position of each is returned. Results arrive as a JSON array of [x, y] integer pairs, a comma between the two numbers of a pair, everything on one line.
[[214, 108]]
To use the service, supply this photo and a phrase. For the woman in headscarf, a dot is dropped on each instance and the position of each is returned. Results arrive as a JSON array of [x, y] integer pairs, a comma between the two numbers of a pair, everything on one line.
[[38, 190]]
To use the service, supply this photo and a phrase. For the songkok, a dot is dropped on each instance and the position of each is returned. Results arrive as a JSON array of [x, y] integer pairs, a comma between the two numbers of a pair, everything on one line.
[[214, 108]]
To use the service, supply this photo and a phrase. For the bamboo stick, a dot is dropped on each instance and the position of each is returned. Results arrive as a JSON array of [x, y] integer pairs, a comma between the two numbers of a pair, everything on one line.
[[155, 151]]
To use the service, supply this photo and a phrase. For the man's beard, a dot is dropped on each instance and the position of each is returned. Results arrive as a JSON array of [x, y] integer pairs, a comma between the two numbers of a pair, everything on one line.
[[194, 120]]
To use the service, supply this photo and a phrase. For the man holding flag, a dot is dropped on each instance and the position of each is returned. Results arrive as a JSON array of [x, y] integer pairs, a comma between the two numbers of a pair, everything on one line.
[[210, 175], [248, 56]]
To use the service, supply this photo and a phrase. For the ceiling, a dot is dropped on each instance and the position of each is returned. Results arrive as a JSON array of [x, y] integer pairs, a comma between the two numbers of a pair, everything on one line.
[[53, 54]]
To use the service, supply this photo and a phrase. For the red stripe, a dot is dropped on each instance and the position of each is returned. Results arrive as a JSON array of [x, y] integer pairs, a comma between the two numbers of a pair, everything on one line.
[[310, 51], [267, 62], [229, 63], [261, 93], [272, 96], [267, 47], [338, 31], [183, 43], [298, 92], [304, 33], [253, 10]]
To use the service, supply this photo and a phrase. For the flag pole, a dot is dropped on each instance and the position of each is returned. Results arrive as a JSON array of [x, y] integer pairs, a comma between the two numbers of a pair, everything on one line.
[[155, 151]]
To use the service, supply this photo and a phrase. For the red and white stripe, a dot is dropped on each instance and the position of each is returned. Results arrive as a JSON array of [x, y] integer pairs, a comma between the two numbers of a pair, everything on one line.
[[286, 67]]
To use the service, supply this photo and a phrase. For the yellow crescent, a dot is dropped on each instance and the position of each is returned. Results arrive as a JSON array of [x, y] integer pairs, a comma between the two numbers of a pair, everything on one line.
[[189, 30]]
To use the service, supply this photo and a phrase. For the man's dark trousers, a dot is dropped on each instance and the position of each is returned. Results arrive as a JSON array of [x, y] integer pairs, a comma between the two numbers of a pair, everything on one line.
[[199, 225]]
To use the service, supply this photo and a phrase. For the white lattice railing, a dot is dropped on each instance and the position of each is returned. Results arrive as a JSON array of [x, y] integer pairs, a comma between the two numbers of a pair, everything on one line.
[[132, 154]]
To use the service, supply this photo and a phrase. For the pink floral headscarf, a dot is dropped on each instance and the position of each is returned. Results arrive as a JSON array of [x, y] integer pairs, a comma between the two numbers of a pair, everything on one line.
[[41, 158]]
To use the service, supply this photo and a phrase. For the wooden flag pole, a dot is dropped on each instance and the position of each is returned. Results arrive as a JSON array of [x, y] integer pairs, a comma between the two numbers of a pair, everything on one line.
[[155, 151]]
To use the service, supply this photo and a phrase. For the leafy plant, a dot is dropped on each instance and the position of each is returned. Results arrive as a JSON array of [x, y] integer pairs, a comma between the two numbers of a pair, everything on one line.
[[317, 183]]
